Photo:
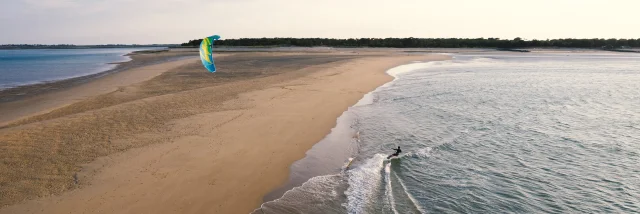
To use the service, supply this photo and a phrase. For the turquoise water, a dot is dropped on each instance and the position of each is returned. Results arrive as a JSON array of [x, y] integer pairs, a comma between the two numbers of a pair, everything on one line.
[[24, 67], [534, 133]]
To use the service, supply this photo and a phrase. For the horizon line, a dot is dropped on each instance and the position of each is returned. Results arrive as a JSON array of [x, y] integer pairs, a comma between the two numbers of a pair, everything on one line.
[[356, 38]]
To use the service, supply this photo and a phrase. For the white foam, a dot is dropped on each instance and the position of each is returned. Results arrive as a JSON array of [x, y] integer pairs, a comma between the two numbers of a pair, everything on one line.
[[347, 164], [396, 71], [369, 98], [389, 190], [364, 182], [313, 185], [421, 153]]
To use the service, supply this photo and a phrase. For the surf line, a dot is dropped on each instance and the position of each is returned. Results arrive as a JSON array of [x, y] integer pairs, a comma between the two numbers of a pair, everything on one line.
[[349, 163]]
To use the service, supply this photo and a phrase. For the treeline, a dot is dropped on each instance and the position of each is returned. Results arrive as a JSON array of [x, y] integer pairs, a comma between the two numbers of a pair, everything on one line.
[[69, 46], [428, 42]]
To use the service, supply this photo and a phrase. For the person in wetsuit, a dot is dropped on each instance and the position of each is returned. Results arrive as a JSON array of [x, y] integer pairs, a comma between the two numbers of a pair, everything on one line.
[[395, 154]]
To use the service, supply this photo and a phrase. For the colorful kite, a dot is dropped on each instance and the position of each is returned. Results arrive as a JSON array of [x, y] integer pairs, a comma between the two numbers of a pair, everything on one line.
[[206, 52]]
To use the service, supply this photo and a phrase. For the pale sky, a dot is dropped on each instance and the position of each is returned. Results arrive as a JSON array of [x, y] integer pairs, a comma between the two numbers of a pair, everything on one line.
[[177, 21]]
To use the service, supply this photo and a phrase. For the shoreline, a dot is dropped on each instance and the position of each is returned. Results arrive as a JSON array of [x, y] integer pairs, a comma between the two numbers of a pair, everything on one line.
[[15, 93], [189, 134], [331, 154], [41, 98]]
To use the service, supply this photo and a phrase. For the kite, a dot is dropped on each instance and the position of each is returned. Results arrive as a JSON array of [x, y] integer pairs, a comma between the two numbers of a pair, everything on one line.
[[206, 53]]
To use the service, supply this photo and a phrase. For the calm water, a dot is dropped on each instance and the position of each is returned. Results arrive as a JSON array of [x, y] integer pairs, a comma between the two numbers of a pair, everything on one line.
[[484, 134], [23, 67]]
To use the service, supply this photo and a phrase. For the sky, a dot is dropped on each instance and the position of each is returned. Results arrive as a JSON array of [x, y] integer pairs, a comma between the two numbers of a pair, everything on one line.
[[176, 21]]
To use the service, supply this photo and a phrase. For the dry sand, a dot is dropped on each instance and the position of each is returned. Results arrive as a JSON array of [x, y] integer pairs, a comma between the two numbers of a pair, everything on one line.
[[176, 139]]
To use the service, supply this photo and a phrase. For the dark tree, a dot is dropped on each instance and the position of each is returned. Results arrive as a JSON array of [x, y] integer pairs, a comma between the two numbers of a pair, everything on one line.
[[427, 42]]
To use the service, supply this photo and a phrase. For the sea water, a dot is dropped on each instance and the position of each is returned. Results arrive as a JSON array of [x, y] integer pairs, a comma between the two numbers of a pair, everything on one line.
[[32, 66], [504, 133]]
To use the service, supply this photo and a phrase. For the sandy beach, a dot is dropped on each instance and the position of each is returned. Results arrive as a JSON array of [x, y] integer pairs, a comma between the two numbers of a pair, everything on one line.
[[170, 137]]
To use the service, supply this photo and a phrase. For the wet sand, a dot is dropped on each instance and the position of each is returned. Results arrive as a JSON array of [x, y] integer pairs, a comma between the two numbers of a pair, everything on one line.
[[173, 138], [16, 103]]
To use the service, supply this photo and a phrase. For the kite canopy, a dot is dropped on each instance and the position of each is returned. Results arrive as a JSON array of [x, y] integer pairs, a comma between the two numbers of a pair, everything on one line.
[[206, 53]]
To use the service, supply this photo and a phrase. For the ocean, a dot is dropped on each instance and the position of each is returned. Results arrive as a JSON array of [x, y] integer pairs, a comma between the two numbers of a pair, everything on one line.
[[33, 66], [484, 133]]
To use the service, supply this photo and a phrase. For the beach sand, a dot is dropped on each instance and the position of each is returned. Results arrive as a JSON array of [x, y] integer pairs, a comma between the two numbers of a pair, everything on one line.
[[173, 138], [28, 100]]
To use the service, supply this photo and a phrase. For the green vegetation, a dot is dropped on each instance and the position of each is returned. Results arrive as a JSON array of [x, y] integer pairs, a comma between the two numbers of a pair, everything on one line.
[[428, 42], [503, 44]]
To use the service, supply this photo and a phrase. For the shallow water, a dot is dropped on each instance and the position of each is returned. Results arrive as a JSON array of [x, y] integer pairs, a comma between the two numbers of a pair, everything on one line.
[[488, 134], [24, 67]]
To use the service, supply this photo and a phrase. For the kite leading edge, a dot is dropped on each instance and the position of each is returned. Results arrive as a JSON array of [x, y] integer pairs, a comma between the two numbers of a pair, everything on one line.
[[206, 53]]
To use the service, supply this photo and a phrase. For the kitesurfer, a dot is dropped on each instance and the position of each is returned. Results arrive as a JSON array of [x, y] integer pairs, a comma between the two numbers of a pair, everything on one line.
[[396, 153]]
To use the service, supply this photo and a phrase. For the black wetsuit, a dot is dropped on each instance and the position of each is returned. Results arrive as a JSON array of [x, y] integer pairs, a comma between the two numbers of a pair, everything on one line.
[[395, 154]]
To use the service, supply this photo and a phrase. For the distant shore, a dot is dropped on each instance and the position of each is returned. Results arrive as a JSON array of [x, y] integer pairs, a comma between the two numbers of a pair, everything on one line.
[[24, 91], [19, 102]]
